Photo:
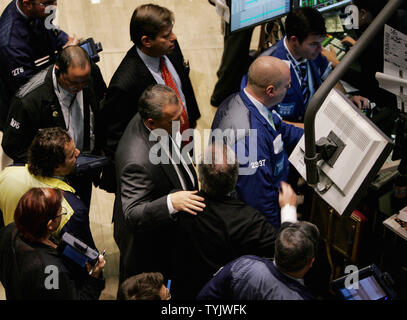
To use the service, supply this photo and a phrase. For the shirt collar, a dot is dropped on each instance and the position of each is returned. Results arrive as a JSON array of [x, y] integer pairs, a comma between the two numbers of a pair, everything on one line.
[[290, 56], [264, 111], [261, 107], [301, 281], [152, 63], [60, 92]]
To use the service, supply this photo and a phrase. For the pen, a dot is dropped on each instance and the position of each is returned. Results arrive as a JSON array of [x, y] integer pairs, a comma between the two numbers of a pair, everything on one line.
[[91, 271]]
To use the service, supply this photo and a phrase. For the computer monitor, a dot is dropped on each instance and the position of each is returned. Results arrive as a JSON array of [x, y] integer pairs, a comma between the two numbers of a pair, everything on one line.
[[362, 150], [249, 13], [371, 284], [321, 5]]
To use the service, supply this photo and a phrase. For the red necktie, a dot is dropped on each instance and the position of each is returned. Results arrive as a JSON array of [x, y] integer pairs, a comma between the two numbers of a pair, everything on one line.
[[169, 81]]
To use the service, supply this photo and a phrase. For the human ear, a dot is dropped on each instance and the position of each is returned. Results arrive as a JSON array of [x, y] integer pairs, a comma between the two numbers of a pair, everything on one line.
[[146, 41]]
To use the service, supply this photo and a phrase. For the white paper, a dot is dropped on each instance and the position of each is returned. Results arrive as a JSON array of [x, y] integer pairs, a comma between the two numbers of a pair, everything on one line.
[[395, 51], [394, 76], [392, 83]]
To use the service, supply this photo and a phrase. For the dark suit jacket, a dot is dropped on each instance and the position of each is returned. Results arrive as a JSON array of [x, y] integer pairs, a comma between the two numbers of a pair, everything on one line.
[[129, 81], [225, 230], [142, 224]]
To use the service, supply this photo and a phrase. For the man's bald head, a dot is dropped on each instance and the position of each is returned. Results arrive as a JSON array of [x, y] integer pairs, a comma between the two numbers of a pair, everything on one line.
[[266, 70], [72, 56], [268, 80]]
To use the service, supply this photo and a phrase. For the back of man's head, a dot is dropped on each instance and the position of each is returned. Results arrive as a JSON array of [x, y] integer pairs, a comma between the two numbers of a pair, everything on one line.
[[153, 99], [144, 286], [303, 22], [72, 56], [265, 71], [372, 6], [149, 20], [47, 151], [218, 170], [296, 246]]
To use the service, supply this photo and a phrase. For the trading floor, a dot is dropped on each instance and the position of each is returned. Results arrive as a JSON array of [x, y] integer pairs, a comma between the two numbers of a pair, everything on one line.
[[197, 27]]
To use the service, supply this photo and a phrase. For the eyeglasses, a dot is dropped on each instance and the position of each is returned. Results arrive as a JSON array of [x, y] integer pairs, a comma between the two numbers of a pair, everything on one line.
[[45, 3], [64, 212]]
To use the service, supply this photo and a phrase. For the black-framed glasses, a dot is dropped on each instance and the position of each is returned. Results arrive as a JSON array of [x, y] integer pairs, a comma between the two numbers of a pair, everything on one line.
[[45, 3]]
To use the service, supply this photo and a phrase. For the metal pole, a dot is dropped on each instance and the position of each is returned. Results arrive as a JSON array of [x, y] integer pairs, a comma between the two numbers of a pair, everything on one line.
[[333, 78]]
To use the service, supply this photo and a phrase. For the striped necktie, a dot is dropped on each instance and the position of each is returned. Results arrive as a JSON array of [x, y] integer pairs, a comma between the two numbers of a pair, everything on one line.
[[169, 81], [304, 82]]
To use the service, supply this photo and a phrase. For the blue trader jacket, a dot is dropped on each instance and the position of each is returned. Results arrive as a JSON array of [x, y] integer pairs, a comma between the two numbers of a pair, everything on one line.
[[253, 278], [262, 152], [26, 46], [292, 108]]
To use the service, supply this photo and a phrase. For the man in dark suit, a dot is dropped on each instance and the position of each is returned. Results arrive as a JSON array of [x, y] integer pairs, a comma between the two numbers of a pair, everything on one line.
[[154, 56], [226, 229], [150, 171], [65, 95]]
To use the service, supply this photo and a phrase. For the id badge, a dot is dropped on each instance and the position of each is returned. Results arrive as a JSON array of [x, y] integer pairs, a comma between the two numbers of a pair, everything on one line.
[[278, 144], [285, 110]]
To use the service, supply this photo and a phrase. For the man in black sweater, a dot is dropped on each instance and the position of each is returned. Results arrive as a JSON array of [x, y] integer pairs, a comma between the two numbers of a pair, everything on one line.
[[226, 229]]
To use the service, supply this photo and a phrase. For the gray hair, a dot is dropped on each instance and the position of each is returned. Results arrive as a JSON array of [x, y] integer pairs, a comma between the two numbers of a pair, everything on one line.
[[154, 99], [296, 245], [218, 170]]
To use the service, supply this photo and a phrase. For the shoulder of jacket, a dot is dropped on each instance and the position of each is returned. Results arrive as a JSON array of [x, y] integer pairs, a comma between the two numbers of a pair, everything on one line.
[[34, 83], [6, 25]]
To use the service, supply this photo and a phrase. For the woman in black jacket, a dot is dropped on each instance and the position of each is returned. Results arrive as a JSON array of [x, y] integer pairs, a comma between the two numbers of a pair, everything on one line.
[[30, 264]]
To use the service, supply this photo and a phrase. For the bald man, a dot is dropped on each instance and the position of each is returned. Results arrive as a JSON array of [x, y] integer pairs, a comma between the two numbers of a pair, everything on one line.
[[261, 140], [65, 95]]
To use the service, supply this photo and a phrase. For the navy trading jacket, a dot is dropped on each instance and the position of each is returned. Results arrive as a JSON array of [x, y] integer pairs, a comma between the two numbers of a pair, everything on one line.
[[27, 46], [262, 153], [253, 278]]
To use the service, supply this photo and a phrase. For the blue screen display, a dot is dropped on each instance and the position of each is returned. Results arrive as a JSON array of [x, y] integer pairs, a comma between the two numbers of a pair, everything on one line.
[[247, 13]]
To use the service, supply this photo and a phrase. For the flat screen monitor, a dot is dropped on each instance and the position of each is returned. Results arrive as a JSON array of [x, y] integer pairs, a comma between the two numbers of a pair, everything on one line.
[[370, 284], [321, 5], [362, 148], [249, 13]]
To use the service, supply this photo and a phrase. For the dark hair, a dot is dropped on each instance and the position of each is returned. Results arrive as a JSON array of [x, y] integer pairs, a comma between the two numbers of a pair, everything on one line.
[[372, 6], [218, 170], [144, 286], [35, 209], [47, 151], [303, 22], [295, 246], [153, 99], [148, 20], [71, 56]]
